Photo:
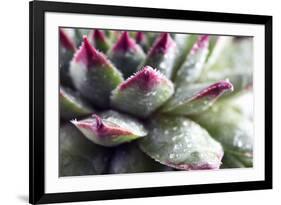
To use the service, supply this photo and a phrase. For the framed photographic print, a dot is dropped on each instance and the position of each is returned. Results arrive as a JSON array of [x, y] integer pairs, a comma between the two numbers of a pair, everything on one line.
[[140, 102]]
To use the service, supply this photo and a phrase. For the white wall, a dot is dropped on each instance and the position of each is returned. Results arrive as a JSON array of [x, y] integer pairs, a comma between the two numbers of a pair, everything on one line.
[[14, 99]]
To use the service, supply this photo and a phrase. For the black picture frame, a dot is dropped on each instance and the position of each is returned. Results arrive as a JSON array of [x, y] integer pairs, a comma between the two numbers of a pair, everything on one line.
[[37, 9]]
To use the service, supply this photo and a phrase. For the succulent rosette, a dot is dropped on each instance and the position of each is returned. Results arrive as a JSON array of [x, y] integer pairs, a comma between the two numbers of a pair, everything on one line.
[[143, 102]]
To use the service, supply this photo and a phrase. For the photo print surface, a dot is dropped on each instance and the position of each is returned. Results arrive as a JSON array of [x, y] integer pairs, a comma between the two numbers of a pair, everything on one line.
[[141, 101]]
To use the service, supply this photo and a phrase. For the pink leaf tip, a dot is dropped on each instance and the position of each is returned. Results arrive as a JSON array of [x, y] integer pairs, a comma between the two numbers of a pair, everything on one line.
[[88, 55], [215, 89], [146, 78], [99, 35], [162, 44], [99, 123], [202, 42], [101, 128], [124, 43], [140, 37], [66, 41]]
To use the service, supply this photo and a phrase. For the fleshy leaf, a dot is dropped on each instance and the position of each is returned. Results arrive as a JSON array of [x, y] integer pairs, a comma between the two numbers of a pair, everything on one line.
[[78, 155], [151, 37], [229, 126], [128, 158], [72, 105], [126, 55], [142, 40], [142, 93], [184, 44], [162, 55], [99, 40], [236, 160], [244, 104], [111, 128], [66, 41], [235, 63], [181, 143], [66, 50], [192, 67], [196, 98], [216, 46], [230, 161], [93, 75], [112, 35], [242, 81]]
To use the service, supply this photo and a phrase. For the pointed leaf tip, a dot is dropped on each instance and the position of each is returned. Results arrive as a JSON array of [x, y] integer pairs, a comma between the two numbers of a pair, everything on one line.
[[192, 67], [110, 128], [144, 79], [142, 93], [66, 41], [124, 43], [202, 42], [162, 55], [196, 98], [99, 123], [98, 34], [93, 75], [100, 41], [126, 55], [215, 89], [88, 55], [162, 44], [140, 37], [142, 40]]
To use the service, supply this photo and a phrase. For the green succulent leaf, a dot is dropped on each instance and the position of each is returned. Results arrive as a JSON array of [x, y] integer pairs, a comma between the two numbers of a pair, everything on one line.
[[196, 98], [72, 105], [112, 35], [244, 104], [234, 62], [241, 81], [94, 76], [181, 143], [217, 44], [128, 158], [142, 93], [230, 127], [192, 67], [151, 37], [99, 40], [79, 156], [67, 48], [111, 128], [230, 161], [126, 55], [184, 44], [172, 108], [142, 40], [162, 55]]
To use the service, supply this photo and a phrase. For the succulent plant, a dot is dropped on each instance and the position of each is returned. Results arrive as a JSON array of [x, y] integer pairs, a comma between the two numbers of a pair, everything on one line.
[[143, 102]]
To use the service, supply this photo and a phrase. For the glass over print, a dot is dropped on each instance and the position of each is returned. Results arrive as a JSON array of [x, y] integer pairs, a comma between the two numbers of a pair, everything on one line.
[[141, 101]]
